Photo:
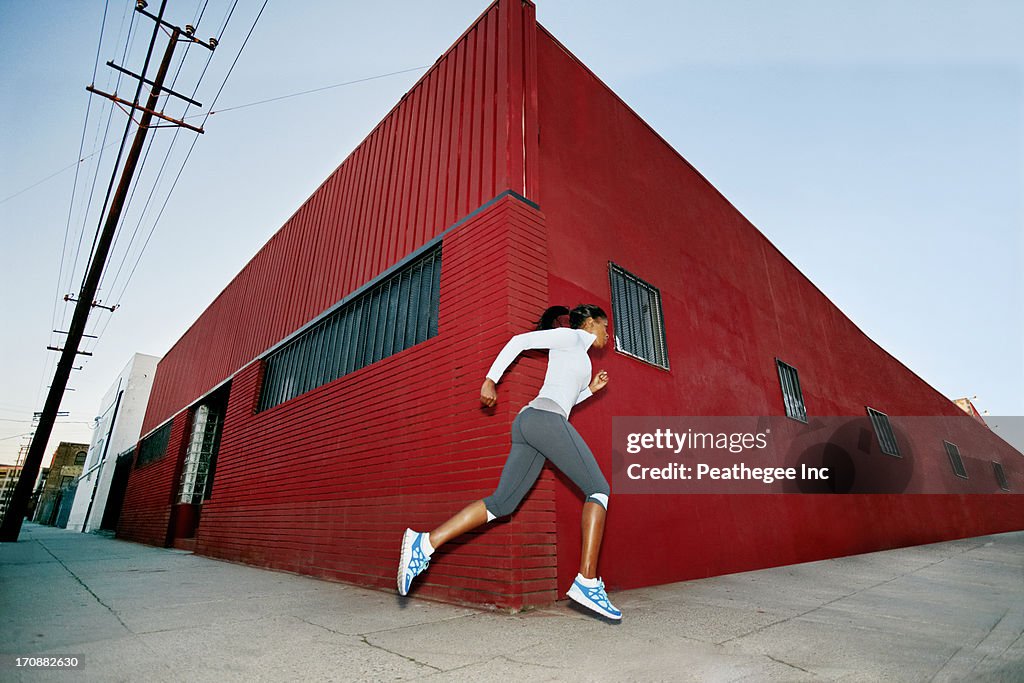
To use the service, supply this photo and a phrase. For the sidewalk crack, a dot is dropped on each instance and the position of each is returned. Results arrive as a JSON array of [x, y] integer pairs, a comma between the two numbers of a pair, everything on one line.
[[367, 642], [399, 654], [86, 587], [511, 659], [399, 628], [792, 666]]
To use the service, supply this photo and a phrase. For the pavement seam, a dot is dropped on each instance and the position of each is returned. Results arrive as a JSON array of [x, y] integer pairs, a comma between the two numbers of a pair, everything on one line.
[[945, 664], [83, 585], [522, 663], [993, 627], [507, 658], [192, 627], [433, 621], [438, 670], [366, 641], [399, 654], [985, 656], [1015, 641], [525, 648], [792, 666]]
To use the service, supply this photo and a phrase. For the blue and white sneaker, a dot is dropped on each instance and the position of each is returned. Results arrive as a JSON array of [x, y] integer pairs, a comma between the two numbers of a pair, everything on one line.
[[413, 561], [594, 598]]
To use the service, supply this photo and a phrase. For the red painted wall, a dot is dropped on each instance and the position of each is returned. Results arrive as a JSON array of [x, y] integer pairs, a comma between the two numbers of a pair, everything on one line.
[[324, 484], [146, 511], [453, 142], [613, 190]]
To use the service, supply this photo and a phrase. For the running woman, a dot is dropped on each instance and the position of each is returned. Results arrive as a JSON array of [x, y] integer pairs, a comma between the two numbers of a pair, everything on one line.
[[540, 431]]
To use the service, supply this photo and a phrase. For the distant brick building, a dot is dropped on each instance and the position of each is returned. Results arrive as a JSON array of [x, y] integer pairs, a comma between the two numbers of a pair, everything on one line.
[[59, 488], [966, 405], [8, 480], [328, 396]]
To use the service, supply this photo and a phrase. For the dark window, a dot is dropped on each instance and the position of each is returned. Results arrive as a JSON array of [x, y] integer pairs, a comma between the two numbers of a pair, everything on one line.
[[639, 323], [80, 458], [391, 316], [154, 446], [65, 481], [792, 396], [883, 430], [1000, 476], [955, 460]]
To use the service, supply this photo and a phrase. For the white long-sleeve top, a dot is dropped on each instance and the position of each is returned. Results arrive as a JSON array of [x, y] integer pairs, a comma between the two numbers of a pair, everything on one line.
[[567, 380]]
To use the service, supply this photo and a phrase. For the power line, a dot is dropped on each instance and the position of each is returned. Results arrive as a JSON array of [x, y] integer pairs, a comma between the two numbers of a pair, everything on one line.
[[51, 362], [156, 181], [167, 156], [40, 182], [65, 422], [187, 156], [106, 131], [74, 189], [15, 436], [189, 153], [56, 173], [315, 90], [96, 168], [131, 197], [81, 148], [11, 525], [227, 109], [124, 141]]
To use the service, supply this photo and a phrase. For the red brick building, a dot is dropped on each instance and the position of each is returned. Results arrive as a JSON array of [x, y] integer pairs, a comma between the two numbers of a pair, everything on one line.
[[328, 397]]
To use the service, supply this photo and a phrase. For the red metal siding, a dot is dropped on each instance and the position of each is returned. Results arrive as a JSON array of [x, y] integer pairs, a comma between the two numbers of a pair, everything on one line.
[[323, 484], [615, 191], [440, 153]]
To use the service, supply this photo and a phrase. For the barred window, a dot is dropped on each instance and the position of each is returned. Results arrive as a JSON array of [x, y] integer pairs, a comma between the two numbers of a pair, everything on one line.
[[154, 446], [955, 460], [883, 430], [639, 322], [393, 315], [792, 396], [1000, 476]]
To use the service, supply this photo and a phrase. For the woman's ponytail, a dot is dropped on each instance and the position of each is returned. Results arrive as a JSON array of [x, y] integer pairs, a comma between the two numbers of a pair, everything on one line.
[[550, 316], [577, 316]]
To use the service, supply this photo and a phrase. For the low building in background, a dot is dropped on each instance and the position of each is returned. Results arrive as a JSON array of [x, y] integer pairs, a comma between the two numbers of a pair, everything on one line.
[[966, 405], [8, 480], [58, 491], [118, 424], [30, 510]]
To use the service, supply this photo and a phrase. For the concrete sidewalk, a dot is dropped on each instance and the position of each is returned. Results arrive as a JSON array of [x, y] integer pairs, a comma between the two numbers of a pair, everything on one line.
[[944, 612]]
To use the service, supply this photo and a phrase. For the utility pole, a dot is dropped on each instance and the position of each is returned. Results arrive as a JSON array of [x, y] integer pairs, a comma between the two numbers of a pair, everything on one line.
[[5, 494], [15, 512]]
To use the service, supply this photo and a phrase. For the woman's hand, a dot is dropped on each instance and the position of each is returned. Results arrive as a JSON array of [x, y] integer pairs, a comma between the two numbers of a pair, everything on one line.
[[599, 382], [489, 393]]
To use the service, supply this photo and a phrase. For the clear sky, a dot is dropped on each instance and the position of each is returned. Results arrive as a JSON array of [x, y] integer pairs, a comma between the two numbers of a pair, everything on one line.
[[879, 145]]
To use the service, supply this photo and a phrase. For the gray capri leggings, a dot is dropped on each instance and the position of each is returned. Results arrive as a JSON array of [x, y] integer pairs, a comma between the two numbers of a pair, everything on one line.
[[540, 434]]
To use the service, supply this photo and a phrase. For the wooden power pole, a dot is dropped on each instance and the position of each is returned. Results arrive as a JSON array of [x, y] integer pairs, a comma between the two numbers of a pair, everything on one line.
[[11, 526]]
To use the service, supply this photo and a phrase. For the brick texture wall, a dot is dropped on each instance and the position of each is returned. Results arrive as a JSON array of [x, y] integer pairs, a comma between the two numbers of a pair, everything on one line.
[[325, 484], [146, 511]]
